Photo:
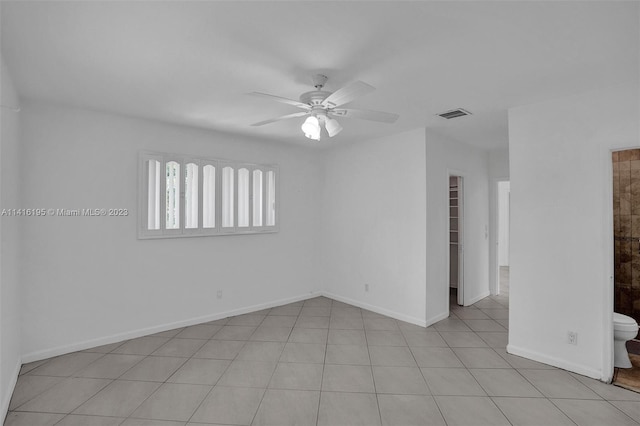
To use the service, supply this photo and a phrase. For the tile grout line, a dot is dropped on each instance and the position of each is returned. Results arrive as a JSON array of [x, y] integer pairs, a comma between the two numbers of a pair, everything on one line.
[[373, 378], [161, 383], [277, 362], [613, 405], [560, 409], [218, 379], [64, 378], [476, 380], [433, 397], [170, 375], [38, 394], [498, 407], [324, 363], [272, 373]]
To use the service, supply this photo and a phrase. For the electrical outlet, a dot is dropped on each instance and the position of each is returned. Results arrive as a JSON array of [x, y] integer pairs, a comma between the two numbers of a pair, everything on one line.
[[572, 337], [366, 287], [219, 294]]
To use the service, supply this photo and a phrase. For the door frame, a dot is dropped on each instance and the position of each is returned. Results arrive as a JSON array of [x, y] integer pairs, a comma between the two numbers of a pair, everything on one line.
[[461, 234], [494, 268], [495, 285]]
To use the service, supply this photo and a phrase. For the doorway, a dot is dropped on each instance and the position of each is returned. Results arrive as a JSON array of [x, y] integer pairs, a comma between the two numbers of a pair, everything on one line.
[[456, 252], [504, 201], [626, 262]]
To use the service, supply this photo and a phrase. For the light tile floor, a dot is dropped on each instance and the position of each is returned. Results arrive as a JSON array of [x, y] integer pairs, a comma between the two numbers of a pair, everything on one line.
[[317, 362]]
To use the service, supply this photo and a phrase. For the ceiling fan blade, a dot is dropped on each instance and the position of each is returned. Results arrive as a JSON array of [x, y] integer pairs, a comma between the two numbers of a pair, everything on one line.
[[281, 99], [365, 114], [347, 94], [284, 117]]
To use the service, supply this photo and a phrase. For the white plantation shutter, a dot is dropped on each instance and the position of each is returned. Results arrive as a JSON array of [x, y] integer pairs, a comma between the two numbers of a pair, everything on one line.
[[183, 196]]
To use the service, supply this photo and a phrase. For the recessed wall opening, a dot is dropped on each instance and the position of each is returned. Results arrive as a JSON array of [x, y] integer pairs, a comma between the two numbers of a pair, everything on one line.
[[456, 258]]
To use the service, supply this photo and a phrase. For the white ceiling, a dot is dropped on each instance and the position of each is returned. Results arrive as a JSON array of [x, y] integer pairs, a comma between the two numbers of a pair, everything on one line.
[[193, 62]]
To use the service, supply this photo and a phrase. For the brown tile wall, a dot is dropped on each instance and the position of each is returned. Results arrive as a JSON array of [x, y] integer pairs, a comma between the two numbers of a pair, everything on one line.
[[626, 224]]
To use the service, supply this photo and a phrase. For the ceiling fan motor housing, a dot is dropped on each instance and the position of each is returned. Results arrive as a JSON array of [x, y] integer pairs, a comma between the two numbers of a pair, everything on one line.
[[315, 97]]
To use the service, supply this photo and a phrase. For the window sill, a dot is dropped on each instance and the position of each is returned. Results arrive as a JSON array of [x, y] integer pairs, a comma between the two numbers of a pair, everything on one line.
[[215, 234]]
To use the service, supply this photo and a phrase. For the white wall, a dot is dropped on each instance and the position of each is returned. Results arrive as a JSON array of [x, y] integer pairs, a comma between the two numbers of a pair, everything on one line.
[[499, 163], [88, 280], [373, 225], [10, 350], [498, 171], [445, 156], [503, 223], [386, 210], [561, 225]]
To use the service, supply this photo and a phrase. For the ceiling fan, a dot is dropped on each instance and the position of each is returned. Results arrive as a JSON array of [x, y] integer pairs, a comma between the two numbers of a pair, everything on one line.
[[322, 106]]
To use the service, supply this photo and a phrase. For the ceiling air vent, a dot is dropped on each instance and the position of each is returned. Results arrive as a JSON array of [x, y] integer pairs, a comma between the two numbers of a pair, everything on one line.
[[454, 113]]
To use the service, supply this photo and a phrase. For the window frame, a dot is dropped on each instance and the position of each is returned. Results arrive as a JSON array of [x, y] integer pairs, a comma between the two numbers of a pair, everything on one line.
[[200, 231]]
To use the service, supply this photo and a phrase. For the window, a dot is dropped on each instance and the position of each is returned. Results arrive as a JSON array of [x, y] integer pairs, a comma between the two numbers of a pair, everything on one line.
[[198, 196]]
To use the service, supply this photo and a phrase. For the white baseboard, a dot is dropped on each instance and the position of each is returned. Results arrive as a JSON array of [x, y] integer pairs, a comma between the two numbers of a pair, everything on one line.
[[10, 387], [556, 362], [376, 309], [87, 344], [436, 318], [477, 298]]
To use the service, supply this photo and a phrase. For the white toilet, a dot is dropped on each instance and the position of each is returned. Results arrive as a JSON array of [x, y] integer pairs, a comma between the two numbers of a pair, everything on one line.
[[624, 328]]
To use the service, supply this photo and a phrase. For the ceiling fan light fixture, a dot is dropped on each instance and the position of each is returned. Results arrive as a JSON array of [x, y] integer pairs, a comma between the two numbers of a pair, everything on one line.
[[311, 128], [332, 126]]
